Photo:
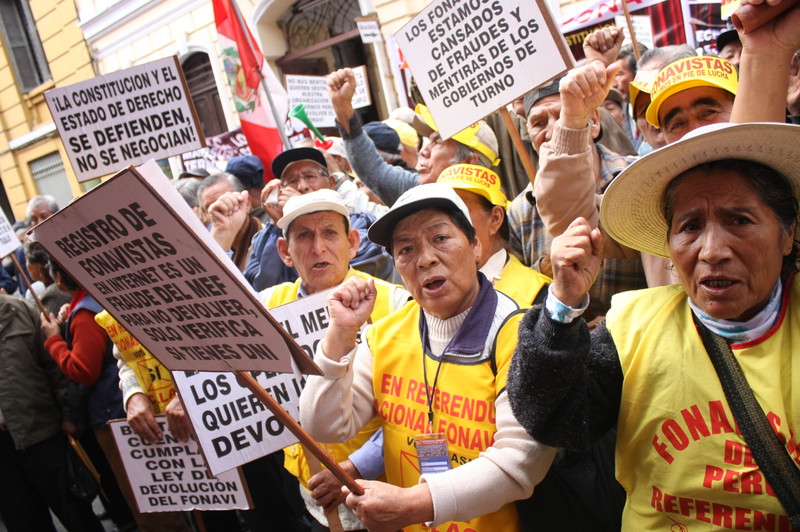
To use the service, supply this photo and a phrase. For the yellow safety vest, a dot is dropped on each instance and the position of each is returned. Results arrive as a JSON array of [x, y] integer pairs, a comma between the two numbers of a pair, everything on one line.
[[294, 458], [463, 403], [287, 292], [679, 454], [153, 378], [520, 283]]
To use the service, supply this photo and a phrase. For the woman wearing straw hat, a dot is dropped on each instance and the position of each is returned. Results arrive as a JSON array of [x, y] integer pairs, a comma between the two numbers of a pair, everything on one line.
[[672, 366]]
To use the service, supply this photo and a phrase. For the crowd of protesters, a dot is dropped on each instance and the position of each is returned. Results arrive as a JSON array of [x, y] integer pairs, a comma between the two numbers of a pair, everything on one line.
[[505, 352]]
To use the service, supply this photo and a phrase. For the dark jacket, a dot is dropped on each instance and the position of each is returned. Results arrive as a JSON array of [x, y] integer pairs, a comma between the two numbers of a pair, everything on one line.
[[265, 267], [32, 387], [104, 400]]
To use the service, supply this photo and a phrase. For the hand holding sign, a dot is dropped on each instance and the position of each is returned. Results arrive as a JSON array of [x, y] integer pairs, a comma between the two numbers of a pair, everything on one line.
[[767, 23], [384, 507], [326, 489], [178, 421], [751, 15], [50, 325], [141, 418]]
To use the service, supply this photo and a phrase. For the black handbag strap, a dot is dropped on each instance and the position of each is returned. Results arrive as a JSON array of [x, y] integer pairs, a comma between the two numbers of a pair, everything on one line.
[[769, 453]]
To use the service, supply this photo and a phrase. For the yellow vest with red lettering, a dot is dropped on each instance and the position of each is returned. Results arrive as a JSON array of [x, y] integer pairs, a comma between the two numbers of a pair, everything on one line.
[[520, 283], [294, 458], [384, 301], [153, 378], [679, 455], [463, 402]]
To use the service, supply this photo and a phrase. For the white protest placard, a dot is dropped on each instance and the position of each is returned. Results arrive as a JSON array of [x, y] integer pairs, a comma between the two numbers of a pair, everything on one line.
[[126, 117], [313, 92], [8, 238], [170, 476], [231, 425], [472, 57], [370, 30], [136, 246], [642, 27]]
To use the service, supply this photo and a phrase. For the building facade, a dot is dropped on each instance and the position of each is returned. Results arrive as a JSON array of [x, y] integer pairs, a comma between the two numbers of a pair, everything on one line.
[[42, 48]]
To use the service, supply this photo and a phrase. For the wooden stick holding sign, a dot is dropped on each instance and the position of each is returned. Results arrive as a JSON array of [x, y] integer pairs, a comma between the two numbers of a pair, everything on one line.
[[289, 422], [331, 514], [9, 243], [629, 21], [28, 284], [518, 144]]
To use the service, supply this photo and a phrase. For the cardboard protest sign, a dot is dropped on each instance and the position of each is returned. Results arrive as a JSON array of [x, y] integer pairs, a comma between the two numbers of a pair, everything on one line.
[[471, 57], [313, 92], [642, 27], [136, 246], [127, 117], [226, 416], [8, 238], [170, 476], [153, 378], [219, 150]]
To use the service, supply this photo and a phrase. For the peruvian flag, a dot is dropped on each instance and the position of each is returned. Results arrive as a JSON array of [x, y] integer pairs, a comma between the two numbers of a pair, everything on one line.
[[243, 61]]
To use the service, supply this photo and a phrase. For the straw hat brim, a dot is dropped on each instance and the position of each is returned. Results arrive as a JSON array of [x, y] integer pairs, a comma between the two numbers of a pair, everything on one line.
[[632, 210]]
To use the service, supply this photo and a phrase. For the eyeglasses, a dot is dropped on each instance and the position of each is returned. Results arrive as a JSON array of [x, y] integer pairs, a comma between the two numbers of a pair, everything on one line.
[[292, 180]]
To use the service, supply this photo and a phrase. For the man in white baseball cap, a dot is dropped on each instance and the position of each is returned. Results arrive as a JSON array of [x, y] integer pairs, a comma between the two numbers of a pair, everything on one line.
[[319, 242]]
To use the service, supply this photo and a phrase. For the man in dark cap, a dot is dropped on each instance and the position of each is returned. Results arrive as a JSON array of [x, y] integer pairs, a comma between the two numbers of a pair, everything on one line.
[[194, 173], [300, 171], [387, 143], [529, 238], [250, 171], [729, 46]]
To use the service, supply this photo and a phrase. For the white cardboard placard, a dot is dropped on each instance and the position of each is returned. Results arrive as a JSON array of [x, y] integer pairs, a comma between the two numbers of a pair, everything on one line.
[[126, 117], [472, 57]]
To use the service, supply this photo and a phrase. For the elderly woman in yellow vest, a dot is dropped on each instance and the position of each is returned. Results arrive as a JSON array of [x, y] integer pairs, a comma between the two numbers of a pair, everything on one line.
[[480, 189], [434, 373], [722, 204], [319, 242]]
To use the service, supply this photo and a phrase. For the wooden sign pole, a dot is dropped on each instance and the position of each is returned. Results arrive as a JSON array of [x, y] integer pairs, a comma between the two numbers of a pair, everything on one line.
[[331, 514], [628, 19], [288, 421], [28, 284], [518, 144]]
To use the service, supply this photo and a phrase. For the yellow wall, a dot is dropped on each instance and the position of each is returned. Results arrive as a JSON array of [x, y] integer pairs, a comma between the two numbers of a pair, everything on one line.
[[20, 114]]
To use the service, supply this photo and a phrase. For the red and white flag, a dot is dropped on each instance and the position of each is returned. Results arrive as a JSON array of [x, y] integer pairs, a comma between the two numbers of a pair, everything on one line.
[[243, 60]]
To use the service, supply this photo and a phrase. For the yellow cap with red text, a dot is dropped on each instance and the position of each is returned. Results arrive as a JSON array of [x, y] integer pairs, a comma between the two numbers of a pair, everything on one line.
[[704, 71], [477, 179], [479, 136]]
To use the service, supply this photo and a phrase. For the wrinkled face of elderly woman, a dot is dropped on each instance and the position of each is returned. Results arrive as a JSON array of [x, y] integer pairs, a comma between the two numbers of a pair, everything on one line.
[[726, 242], [437, 262]]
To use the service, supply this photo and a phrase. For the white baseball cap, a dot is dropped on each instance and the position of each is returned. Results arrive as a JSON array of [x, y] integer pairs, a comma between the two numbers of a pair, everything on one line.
[[430, 195], [323, 199]]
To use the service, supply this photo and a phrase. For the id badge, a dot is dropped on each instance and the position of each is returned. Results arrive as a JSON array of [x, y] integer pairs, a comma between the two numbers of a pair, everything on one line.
[[432, 453]]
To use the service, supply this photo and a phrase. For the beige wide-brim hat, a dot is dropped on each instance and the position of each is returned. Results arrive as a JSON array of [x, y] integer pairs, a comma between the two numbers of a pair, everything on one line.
[[632, 211]]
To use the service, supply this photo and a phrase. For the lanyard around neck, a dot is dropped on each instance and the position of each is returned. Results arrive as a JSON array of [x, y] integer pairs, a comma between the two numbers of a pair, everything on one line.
[[430, 392]]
